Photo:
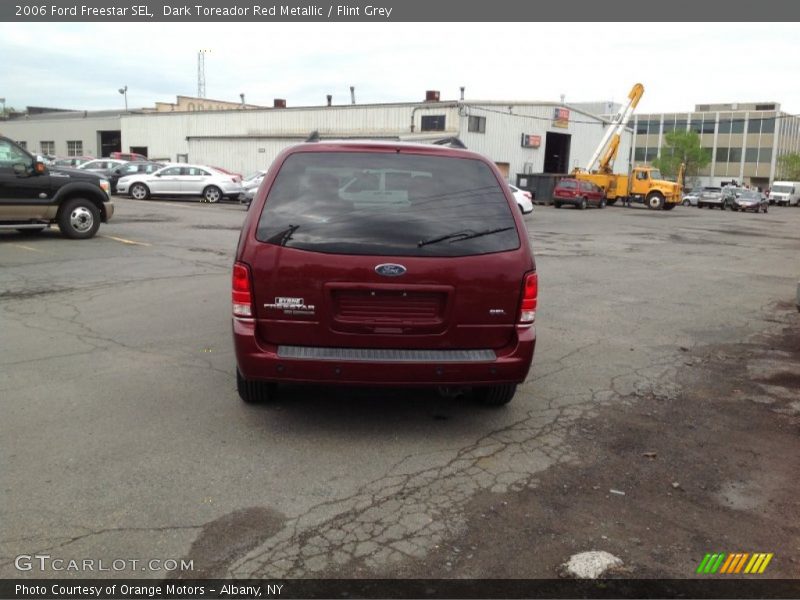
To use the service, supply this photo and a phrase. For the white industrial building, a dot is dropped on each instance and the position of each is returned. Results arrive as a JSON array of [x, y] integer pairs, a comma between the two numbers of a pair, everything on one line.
[[520, 137]]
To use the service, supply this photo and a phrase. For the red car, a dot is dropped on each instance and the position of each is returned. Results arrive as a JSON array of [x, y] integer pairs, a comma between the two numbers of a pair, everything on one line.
[[384, 263], [129, 156], [581, 194]]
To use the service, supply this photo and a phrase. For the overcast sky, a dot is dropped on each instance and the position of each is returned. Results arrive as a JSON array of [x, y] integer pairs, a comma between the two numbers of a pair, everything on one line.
[[81, 66]]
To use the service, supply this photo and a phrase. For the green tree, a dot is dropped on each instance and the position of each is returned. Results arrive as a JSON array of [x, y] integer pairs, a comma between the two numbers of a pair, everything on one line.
[[682, 147], [789, 166]]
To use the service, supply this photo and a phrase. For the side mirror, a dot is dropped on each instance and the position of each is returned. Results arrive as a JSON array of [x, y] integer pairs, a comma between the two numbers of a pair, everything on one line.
[[20, 169]]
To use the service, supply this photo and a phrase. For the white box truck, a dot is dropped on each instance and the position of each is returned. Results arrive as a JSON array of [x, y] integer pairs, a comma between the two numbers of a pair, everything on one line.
[[785, 193]]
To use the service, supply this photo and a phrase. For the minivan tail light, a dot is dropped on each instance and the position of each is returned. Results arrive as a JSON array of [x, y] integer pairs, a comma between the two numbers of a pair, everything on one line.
[[242, 291], [530, 293]]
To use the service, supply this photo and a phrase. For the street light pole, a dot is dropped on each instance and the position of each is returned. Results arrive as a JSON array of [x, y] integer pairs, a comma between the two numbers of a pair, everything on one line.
[[124, 92]]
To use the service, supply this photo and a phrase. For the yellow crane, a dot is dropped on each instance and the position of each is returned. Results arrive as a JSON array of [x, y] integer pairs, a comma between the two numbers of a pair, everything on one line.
[[640, 184]]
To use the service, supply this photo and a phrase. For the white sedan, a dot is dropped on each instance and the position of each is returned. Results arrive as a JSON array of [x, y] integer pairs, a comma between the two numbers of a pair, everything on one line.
[[181, 180], [524, 199]]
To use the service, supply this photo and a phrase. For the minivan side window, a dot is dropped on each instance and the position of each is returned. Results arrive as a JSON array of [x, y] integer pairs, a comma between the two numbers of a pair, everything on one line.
[[396, 204]]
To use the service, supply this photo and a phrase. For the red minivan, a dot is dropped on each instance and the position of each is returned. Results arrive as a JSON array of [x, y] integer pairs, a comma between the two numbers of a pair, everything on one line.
[[384, 263]]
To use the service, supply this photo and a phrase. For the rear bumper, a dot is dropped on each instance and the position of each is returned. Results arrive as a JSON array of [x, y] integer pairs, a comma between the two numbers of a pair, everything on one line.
[[260, 361]]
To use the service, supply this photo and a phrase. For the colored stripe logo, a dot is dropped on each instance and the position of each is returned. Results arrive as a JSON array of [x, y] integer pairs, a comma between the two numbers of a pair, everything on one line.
[[734, 563]]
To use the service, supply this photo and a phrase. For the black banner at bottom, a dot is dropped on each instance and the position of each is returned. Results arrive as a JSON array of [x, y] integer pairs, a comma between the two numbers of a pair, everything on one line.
[[78, 589]]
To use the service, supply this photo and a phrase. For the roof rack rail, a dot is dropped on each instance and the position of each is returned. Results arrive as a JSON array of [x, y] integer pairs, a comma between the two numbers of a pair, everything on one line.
[[452, 141], [313, 137]]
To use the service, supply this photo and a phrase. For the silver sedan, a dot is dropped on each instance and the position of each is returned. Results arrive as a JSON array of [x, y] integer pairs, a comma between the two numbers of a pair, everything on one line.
[[181, 180]]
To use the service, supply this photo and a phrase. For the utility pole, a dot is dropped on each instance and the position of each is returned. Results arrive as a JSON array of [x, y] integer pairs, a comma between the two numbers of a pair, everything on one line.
[[201, 72]]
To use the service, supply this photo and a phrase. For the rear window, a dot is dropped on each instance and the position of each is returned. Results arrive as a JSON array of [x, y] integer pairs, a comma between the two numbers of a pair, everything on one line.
[[387, 204], [568, 185]]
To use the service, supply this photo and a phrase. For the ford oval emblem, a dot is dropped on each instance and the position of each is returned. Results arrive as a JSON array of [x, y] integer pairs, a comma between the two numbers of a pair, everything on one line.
[[390, 270]]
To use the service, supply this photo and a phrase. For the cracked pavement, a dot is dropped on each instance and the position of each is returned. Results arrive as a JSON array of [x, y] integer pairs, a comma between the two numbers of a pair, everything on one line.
[[123, 436]]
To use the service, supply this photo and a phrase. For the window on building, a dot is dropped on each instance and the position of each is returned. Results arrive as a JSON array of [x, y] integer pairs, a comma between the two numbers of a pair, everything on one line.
[[669, 125], [767, 125], [737, 125], [432, 123], [708, 125], [75, 148], [651, 154], [751, 155], [765, 107], [47, 147], [708, 153], [724, 125], [735, 155], [765, 155], [476, 124], [722, 154], [638, 154], [754, 126], [641, 127], [696, 125]]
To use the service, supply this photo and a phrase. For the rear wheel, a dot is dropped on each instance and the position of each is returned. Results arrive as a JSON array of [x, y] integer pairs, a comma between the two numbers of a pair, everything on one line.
[[79, 219], [582, 204], [139, 191], [602, 203], [212, 194], [254, 392], [687, 203], [496, 395]]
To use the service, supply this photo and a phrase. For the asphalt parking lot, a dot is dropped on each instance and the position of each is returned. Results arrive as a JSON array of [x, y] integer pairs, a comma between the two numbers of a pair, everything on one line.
[[123, 436]]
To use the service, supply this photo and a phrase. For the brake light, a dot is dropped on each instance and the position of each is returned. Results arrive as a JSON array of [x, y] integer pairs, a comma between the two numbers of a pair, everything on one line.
[[242, 291], [530, 293], [527, 195]]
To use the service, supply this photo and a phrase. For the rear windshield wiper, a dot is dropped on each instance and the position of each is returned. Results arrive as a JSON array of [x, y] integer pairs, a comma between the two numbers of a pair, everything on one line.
[[458, 236], [283, 236]]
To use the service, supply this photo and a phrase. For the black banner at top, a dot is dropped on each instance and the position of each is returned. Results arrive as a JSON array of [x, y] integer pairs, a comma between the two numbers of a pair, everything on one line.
[[264, 11]]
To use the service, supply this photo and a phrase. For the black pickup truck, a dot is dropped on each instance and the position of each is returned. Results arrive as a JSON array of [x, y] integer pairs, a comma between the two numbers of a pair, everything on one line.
[[34, 196]]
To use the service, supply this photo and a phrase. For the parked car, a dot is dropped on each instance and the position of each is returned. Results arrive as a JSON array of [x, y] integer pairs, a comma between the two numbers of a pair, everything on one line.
[[103, 165], [250, 186], [751, 200], [711, 197], [128, 156], [131, 168], [524, 199], [181, 180], [785, 193], [433, 284], [72, 161], [579, 194], [690, 198], [729, 196], [34, 196], [235, 176]]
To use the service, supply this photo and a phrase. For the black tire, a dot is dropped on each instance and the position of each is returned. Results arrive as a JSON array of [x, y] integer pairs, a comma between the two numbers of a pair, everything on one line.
[[612, 202], [212, 194], [31, 231], [602, 203], [669, 206], [139, 191], [78, 218], [557, 204], [723, 205], [655, 201], [582, 204], [699, 205], [765, 209], [254, 392], [687, 203], [496, 395]]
